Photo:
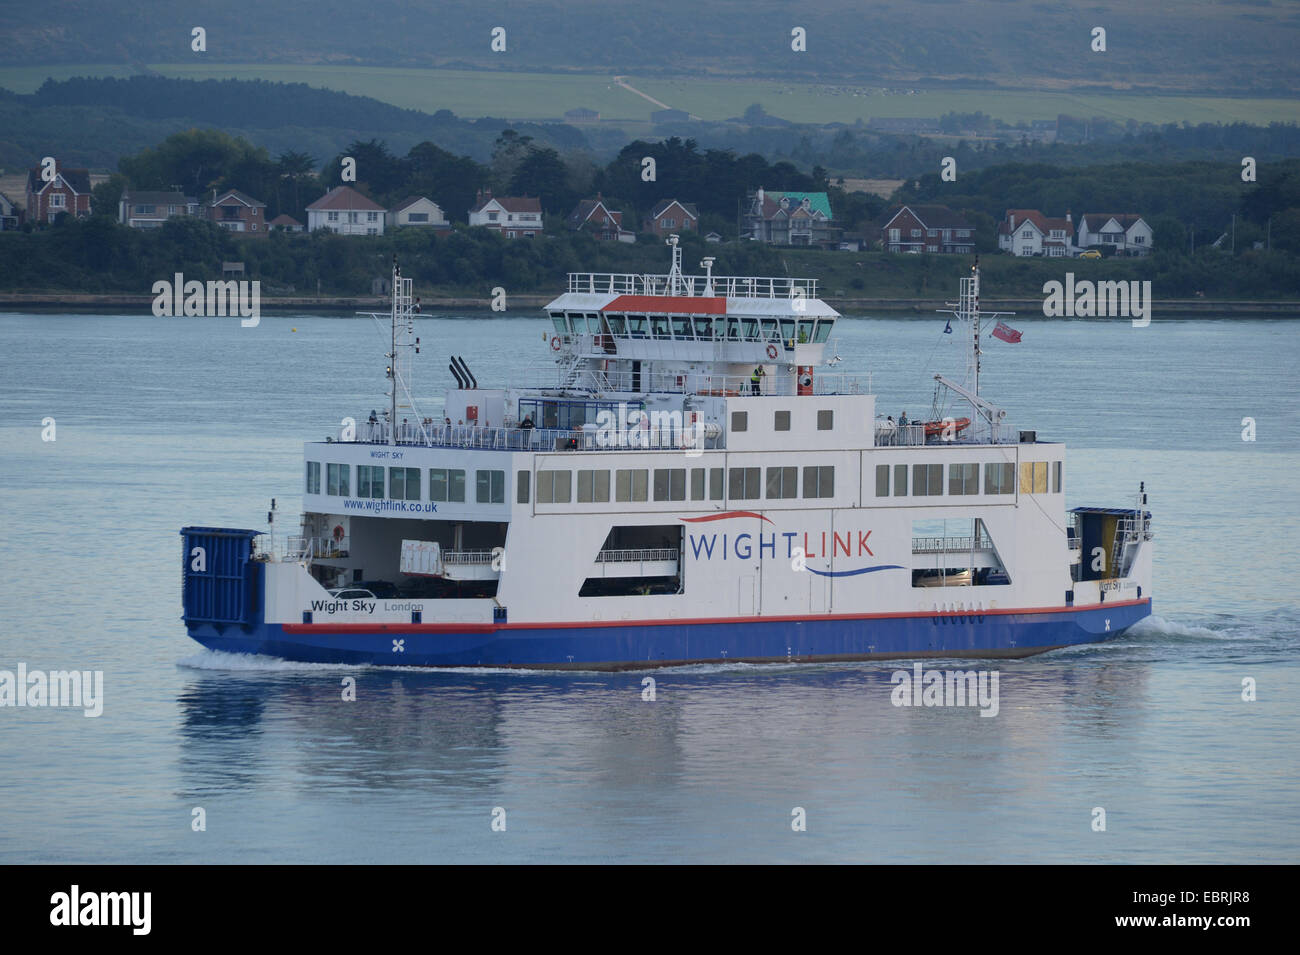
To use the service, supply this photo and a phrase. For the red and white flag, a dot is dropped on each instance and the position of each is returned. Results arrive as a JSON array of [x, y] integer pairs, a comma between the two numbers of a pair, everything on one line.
[[1006, 333]]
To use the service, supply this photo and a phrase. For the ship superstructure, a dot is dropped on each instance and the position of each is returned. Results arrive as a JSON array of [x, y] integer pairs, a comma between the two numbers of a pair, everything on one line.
[[689, 483]]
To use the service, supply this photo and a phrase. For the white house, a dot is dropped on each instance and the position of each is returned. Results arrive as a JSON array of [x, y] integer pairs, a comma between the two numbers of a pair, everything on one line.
[[417, 211], [347, 212], [1127, 234], [1027, 232], [515, 217]]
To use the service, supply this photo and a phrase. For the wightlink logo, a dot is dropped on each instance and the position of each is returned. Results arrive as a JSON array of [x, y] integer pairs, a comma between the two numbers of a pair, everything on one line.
[[946, 688], [797, 547], [1089, 299], [75, 907], [208, 299], [83, 689]]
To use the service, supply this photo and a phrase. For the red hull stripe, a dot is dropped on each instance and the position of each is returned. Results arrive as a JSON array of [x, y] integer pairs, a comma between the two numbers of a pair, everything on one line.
[[724, 515], [675, 621], [668, 305]]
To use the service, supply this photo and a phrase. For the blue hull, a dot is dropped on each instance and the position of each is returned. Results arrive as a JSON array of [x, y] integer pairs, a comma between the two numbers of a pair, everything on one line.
[[653, 644]]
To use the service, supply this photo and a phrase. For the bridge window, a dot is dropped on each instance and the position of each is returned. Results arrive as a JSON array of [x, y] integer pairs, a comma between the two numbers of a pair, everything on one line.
[[743, 483], [781, 421], [630, 484], [521, 494], [636, 326], [670, 484], [404, 484], [338, 480], [964, 479], [561, 327], [927, 479], [446, 484], [370, 481], [593, 487], [825, 419], [659, 326], [882, 480], [823, 331], [819, 481], [490, 487], [313, 477], [553, 487], [682, 328], [1033, 477], [617, 325], [1000, 478], [805, 331]]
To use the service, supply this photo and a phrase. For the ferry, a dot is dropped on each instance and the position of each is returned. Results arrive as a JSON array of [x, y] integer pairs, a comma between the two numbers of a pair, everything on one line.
[[689, 479]]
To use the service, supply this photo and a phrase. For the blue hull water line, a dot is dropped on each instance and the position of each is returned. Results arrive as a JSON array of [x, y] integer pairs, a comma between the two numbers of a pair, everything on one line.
[[653, 643]]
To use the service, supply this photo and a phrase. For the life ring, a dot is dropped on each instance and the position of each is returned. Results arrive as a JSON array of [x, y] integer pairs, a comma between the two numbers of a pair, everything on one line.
[[771, 351], [338, 532], [555, 343]]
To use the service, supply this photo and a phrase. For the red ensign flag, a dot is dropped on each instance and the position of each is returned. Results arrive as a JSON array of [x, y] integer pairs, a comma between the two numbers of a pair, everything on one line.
[[1006, 333]]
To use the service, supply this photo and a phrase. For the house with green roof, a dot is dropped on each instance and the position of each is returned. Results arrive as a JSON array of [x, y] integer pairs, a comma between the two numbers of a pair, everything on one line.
[[790, 218]]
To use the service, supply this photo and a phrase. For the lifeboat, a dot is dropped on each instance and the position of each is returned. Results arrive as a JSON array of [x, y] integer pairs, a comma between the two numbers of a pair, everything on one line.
[[935, 428]]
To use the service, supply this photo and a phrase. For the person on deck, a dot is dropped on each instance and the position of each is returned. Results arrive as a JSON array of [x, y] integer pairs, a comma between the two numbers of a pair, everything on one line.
[[527, 423], [756, 380]]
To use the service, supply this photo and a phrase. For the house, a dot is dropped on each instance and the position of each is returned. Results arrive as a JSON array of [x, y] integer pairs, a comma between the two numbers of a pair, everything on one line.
[[68, 190], [789, 218], [418, 211], [670, 116], [592, 215], [1127, 234], [1028, 232], [713, 237], [285, 223], [853, 242], [670, 216], [347, 212], [926, 229], [581, 115], [8, 214], [148, 210], [235, 211], [515, 217]]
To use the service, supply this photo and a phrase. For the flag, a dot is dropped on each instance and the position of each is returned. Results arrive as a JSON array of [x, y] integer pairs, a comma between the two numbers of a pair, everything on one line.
[[947, 329], [1005, 332]]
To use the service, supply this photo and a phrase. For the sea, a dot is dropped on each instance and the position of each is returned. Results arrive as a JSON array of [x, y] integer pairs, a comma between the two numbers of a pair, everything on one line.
[[1176, 742]]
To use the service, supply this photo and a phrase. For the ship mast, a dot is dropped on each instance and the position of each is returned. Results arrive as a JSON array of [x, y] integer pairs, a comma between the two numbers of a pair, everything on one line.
[[404, 344], [967, 309]]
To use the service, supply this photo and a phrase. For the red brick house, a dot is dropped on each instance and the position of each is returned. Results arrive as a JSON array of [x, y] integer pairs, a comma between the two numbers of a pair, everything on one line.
[[669, 217], [68, 191], [592, 215], [926, 229], [236, 212]]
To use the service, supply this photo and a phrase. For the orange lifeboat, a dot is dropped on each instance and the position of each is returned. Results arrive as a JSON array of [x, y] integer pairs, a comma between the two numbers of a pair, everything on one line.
[[933, 428]]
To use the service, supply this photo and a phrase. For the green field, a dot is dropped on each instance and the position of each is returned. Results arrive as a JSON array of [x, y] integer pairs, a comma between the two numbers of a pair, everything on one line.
[[521, 96]]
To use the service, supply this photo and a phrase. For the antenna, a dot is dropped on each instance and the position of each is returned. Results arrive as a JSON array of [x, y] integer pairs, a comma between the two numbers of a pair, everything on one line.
[[967, 309]]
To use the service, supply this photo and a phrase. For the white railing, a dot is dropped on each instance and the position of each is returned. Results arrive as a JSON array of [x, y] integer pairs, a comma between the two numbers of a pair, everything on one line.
[[636, 555], [544, 439], [913, 435], [949, 545], [297, 547], [469, 557], [730, 386], [626, 283]]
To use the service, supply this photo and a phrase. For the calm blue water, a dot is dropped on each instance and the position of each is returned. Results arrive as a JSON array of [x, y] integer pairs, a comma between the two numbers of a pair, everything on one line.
[[165, 422]]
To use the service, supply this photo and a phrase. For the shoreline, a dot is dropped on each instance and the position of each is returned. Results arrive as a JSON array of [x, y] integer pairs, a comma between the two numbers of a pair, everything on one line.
[[10, 301]]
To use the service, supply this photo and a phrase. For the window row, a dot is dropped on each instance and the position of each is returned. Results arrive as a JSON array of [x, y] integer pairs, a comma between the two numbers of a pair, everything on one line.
[[678, 484], [781, 420], [403, 484], [927, 480]]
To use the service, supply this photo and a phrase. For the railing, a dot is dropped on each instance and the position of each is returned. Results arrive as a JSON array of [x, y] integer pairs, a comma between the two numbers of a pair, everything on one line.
[[615, 283], [469, 557], [590, 438], [949, 545], [298, 548], [719, 385], [913, 435], [637, 555]]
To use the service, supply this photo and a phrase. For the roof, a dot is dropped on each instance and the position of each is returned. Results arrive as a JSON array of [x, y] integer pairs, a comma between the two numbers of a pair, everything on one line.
[[511, 203], [1094, 221], [77, 179], [1044, 224], [932, 217], [1114, 511], [344, 197], [817, 201], [412, 200], [240, 196], [662, 206], [156, 198], [586, 208], [283, 219]]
